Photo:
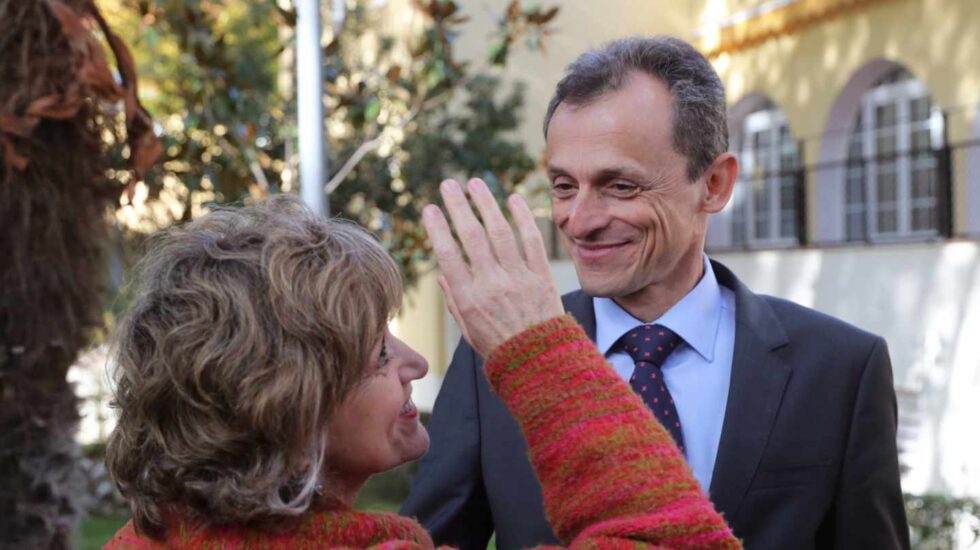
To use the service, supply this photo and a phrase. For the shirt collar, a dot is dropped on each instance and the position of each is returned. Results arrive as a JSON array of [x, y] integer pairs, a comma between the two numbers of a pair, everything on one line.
[[695, 318]]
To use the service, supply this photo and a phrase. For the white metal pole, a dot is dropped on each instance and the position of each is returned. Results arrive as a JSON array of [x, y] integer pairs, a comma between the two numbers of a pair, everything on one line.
[[309, 97], [338, 12]]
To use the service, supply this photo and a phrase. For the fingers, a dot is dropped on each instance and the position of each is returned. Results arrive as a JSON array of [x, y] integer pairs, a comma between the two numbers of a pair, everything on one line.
[[468, 228], [498, 230], [490, 300], [527, 227], [448, 255]]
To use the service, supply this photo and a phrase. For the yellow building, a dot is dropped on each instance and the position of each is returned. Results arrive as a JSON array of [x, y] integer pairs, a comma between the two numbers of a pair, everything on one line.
[[857, 126], [857, 123]]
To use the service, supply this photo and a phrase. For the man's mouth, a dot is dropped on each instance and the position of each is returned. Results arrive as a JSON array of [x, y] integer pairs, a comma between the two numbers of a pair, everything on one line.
[[592, 252]]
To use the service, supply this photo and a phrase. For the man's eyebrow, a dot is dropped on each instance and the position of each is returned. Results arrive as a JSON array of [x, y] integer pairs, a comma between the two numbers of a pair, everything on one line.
[[609, 174], [555, 171], [603, 175]]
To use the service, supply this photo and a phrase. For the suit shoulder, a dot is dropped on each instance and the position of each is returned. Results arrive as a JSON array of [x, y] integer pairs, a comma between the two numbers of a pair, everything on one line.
[[803, 322], [577, 303]]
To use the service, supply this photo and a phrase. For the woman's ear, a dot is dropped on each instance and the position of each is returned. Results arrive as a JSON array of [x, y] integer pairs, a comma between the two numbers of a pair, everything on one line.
[[719, 181]]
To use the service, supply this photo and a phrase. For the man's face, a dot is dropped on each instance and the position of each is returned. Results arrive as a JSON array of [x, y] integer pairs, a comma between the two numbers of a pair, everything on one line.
[[620, 196]]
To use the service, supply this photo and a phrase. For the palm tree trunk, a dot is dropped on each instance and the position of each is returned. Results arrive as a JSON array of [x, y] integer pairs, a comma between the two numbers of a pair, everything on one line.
[[55, 198]]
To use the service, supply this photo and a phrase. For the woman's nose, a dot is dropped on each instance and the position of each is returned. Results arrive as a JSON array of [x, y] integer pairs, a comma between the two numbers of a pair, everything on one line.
[[414, 366]]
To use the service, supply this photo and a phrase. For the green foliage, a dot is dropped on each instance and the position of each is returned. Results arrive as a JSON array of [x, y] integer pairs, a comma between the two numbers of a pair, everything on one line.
[[208, 71], [95, 531], [401, 106], [531, 23], [403, 112], [934, 520]]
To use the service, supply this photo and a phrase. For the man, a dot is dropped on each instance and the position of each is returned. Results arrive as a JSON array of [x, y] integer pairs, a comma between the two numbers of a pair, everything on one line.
[[786, 416]]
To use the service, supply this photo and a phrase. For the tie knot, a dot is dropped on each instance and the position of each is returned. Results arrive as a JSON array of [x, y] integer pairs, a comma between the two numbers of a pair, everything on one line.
[[649, 343]]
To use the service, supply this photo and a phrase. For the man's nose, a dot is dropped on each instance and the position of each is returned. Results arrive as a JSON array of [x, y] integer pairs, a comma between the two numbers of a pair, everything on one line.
[[586, 215]]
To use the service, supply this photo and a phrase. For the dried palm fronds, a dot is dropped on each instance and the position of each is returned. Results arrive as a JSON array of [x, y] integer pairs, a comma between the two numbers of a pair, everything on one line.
[[60, 125]]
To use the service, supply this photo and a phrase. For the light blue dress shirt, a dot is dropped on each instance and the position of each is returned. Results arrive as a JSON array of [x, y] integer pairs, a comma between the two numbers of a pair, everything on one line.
[[697, 373]]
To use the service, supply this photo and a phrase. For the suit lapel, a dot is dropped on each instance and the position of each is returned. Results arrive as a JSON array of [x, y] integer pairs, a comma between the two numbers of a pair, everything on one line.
[[580, 306], [758, 380]]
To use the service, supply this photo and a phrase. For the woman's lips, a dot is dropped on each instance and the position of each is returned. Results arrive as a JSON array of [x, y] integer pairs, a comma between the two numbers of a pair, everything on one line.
[[409, 411]]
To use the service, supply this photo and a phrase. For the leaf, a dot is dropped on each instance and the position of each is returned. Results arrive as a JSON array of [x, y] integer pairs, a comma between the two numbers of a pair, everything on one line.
[[550, 14], [448, 7], [539, 17], [513, 12], [331, 48], [498, 52], [372, 110], [288, 17]]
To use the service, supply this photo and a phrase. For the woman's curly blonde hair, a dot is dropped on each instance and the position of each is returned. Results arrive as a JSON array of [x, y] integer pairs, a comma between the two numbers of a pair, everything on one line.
[[246, 329]]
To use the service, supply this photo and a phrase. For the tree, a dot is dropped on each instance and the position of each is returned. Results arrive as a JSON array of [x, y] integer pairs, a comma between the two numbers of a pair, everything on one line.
[[63, 117], [402, 111]]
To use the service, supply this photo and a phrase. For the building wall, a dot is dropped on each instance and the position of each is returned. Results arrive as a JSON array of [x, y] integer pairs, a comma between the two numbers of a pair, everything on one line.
[[807, 74], [922, 297], [925, 300]]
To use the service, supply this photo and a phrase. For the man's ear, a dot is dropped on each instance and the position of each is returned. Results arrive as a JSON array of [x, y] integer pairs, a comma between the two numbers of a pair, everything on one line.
[[719, 181]]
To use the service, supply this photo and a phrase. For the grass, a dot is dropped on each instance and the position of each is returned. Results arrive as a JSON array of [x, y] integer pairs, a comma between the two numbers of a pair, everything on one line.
[[95, 531]]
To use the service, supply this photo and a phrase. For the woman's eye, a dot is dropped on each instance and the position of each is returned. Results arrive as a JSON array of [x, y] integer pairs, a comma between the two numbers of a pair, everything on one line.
[[383, 357]]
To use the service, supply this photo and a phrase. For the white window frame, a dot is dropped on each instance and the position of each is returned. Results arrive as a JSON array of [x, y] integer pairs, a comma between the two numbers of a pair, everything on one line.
[[769, 120], [901, 94]]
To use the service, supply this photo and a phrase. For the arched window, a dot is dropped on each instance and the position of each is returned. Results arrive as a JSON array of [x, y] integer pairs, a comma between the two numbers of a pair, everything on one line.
[[891, 187], [765, 203]]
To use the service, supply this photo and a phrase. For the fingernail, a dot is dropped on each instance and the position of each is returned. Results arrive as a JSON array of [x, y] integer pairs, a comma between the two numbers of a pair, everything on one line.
[[476, 184]]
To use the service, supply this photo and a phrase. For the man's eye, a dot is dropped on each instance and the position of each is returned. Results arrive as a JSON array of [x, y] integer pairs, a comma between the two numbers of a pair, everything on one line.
[[562, 188], [621, 188]]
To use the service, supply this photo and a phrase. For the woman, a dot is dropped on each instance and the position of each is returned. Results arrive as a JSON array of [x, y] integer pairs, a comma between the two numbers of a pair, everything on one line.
[[258, 388]]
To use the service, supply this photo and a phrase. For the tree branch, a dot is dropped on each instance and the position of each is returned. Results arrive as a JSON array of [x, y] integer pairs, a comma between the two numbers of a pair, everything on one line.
[[373, 144]]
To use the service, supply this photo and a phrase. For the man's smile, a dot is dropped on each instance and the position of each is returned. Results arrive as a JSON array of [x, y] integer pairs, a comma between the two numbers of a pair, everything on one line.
[[595, 252]]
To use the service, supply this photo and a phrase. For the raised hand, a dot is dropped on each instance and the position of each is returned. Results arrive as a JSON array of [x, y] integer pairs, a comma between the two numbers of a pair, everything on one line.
[[500, 292]]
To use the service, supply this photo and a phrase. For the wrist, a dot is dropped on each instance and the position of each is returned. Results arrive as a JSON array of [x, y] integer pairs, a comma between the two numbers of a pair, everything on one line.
[[539, 339]]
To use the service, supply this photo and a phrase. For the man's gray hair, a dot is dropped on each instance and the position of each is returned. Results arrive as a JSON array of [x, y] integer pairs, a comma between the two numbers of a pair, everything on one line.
[[700, 125]]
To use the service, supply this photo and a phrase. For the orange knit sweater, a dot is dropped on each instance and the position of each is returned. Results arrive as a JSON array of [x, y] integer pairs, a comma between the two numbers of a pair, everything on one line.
[[611, 475]]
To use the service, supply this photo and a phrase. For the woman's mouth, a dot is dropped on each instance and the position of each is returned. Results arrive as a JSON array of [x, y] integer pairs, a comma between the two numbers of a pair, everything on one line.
[[408, 410]]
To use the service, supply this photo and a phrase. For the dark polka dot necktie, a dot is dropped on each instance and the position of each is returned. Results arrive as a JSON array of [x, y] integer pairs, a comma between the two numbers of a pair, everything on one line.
[[649, 346]]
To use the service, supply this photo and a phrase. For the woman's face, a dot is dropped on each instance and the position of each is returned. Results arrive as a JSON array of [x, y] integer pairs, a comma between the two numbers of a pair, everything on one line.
[[377, 426]]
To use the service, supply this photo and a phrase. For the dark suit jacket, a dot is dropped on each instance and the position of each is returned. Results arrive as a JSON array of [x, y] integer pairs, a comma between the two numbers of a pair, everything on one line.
[[807, 457]]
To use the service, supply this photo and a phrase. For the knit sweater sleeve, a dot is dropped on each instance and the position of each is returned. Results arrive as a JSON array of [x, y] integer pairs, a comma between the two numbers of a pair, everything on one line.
[[610, 473]]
